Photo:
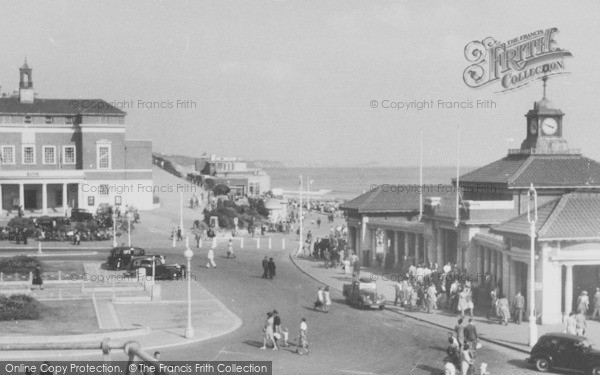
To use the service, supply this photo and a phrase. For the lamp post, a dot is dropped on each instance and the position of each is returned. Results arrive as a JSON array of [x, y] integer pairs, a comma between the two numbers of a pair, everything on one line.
[[114, 230], [188, 253], [128, 232], [532, 194], [181, 211]]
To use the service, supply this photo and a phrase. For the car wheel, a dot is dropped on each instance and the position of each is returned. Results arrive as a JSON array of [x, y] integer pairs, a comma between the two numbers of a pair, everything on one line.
[[595, 370], [361, 304], [542, 364]]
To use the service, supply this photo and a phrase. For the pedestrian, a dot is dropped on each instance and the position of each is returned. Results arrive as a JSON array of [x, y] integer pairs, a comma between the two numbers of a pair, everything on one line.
[[463, 304], [230, 253], [580, 324], [398, 287], [271, 268], [449, 368], [503, 309], [211, 258], [326, 300], [37, 277], [471, 336], [319, 223], [596, 304], [320, 300], [583, 302], [493, 303], [277, 327], [460, 333], [430, 298], [518, 306], [302, 338], [265, 266], [179, 234], [570, 324], [269, 335], [467, 360]]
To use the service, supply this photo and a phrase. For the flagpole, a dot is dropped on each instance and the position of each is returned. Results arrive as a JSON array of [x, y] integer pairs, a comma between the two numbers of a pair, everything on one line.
[[421, 175], [457, 220], [300, 247], [308, 193]]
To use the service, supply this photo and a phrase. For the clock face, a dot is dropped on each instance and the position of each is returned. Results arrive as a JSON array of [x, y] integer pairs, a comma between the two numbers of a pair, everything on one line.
[[549, 126], [533, 126]]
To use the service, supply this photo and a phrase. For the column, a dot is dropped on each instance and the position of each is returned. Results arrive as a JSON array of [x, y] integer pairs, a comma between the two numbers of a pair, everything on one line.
[[486, 260], [45, 198], [22, 196], [80, 203], [505, 274], [417, 249], [568, 290], [438, 247], [492, 262], [0, 198], [64, 198], [396, 247], [512, 280], [406, 252]]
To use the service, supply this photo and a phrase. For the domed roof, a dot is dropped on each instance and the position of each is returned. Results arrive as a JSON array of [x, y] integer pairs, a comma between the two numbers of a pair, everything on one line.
[[544, 103], [273, 204]]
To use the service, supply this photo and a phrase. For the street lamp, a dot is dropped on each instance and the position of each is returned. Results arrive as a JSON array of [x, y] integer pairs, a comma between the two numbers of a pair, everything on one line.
[[188, 253], [181, 211], [532, 194], [128, 231], [114, 230]]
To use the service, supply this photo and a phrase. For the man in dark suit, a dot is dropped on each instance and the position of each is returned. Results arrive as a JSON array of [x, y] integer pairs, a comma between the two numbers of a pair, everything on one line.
[[265, 266], [271, 268], [471, 336]]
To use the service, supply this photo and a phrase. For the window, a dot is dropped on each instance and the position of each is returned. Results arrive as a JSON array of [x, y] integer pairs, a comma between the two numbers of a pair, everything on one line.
[[103, 156], [27, 119], [69, 120], [48, 120], [254, 188], [49, 155], [6, 119], [8, 155], [68, 154], [103, 189], [28, 154]]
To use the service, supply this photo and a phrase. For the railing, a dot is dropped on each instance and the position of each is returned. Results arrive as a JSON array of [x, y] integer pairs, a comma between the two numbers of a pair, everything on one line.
[[131, 348], [544, 151]]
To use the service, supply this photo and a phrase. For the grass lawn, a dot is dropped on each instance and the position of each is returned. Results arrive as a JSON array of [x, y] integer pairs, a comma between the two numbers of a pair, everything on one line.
[[56, 318], [65, 266]]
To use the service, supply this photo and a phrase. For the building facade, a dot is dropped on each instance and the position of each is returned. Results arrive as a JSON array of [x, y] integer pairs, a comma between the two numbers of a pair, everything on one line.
[[487, 233], [233, 172], [57, 154]]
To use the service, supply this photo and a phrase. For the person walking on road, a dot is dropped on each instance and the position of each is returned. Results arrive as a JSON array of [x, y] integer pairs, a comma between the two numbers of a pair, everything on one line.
[[302, 338], [271, 268], [230, 253], [519, 305], [503, 309], [460, 333], [471, 336], [211, 258], [326, 300], [583, 302], [268, 330], [320, 300], [596, 304], [265, 266], [570, 324], [580, 324], [467, 359], [493, 303]]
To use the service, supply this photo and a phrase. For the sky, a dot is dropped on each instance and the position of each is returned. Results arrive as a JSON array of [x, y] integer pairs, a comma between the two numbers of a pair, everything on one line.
[[294, 81]]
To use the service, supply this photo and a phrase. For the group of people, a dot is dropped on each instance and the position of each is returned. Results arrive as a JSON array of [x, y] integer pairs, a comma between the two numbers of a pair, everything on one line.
[[268, 266], [576, 322], [462, 345], [323, 301], [278, 336]]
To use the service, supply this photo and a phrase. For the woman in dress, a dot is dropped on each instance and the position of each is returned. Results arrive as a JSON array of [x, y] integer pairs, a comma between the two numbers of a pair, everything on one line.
[[269, 334], [326, 299], [467, 359], [463, 303], [37, 277], [503, 309]]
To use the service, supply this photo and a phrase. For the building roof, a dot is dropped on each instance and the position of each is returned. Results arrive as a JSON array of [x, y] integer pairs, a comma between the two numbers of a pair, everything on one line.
[[519, 171], [393, 198], [68, 107], [574, 216]]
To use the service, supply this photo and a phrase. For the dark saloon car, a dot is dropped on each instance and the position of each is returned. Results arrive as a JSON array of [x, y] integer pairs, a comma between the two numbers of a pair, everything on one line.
[[120, 257], [163, 271], [565, 352]]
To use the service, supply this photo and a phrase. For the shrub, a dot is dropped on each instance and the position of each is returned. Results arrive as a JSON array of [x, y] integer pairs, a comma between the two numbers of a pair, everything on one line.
[[20, 263], [19, 307]]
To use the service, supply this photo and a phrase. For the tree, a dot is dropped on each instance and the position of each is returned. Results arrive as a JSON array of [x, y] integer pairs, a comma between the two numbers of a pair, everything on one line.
[[221, 189]]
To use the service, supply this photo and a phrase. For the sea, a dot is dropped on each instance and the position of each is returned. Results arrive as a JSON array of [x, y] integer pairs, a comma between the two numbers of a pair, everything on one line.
[[347, 183]]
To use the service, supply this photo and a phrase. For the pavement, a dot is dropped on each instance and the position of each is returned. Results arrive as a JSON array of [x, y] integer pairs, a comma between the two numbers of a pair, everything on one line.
[[513, 336]]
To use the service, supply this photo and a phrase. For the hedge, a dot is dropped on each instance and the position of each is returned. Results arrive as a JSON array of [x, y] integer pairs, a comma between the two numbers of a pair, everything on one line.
[[19, 307]]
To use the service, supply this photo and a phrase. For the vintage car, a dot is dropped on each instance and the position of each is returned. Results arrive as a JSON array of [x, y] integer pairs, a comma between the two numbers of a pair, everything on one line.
[[81, 214], [163, 271], [566, 352], [120, 257], [363, 293]]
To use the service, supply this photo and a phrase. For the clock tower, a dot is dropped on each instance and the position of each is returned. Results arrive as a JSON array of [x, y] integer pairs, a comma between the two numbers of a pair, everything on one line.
[[544, 128]]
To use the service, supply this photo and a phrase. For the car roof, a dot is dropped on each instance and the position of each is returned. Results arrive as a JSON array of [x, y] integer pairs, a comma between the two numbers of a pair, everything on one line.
[[563, 336]]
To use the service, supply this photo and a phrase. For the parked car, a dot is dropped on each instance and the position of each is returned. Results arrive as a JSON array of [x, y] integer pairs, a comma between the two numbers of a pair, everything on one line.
[[163, 271], [81, 214], [363, 293], [120, 257], [566, 352]]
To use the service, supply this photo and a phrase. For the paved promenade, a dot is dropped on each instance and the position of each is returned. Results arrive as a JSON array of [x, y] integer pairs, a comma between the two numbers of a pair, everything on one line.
[[513, 336]]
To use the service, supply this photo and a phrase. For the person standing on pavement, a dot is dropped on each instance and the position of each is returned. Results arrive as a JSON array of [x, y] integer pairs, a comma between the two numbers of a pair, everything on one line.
[[493, 303], [460, 333], [583, 303], [319, 301], [265, 266], [271, 268], [570, 324], [471, 336], [326, 300], [596, 304], [277, 325], [211, 258], [518, 306], [431, 298], [302, 338], [580, 324], [37, 277], [503, 309], [269, 334], [230, 253]]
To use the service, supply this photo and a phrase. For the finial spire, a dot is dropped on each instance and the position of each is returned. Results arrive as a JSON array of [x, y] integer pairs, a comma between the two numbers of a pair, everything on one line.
[[544, 79]]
